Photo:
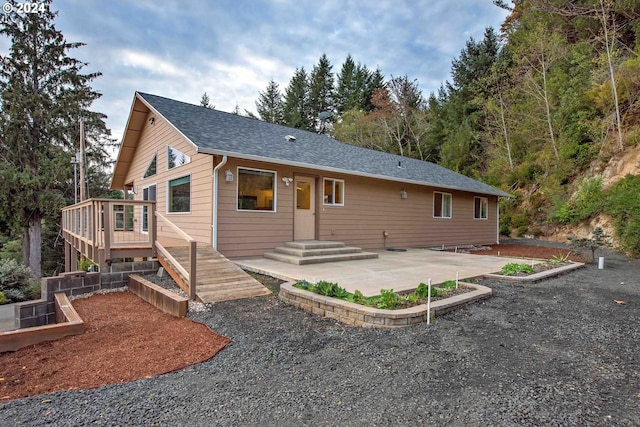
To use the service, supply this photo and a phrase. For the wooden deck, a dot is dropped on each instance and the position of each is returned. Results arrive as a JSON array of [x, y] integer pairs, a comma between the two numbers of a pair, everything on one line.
[[218, 278]]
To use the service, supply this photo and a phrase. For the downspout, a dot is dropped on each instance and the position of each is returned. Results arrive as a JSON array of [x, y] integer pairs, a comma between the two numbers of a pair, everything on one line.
[[498, 220], [214, 207]]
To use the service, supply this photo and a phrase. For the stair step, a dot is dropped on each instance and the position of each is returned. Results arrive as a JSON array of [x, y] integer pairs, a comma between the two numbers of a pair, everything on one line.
[[320, 258], [313, 244], [317, 252]]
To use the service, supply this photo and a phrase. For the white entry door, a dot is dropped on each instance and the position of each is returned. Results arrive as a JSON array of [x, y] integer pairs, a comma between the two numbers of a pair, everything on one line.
[[305, 214]]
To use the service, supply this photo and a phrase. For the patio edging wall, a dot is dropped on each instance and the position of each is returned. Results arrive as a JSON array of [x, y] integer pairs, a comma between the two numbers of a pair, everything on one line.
[[360, 315], [537, 276]]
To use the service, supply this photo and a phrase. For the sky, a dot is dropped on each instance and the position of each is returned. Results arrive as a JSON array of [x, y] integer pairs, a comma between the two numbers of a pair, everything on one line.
[[231, 49]]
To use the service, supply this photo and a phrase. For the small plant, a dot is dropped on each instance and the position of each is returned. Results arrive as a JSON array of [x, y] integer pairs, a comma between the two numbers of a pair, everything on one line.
[[358, 298], [388, 299], [598, 240], [84, 264], [303, 284], [560, 259], [3, 299], [340, 292], [412, 298], [422, 290], [514, 268], [449, 284], [324, 288]]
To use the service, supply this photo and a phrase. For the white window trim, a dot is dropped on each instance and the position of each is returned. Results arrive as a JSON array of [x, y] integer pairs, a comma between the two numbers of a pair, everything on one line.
[[433, 210], [177, 166], [474, 208], [324, 180], [275, 189], [142, 188], [169, 189], [155, 156]]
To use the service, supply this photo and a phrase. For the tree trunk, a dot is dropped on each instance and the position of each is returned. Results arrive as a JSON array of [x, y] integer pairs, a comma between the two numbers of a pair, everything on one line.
[[35, 244], [26, 246]]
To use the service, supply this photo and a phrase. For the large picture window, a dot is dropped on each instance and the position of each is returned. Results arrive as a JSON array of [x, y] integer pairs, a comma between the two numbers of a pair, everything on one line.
[[480, 208], [256, 190], [441, 205], [333, 192], [179, 195]]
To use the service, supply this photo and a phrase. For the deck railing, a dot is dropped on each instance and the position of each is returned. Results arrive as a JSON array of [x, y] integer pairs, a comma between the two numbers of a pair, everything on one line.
[[177, 237], [104, 229]]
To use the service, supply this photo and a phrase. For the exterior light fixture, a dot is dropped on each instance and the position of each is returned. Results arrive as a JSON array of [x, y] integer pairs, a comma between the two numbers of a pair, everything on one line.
[[403, 194], [152, 120], [287, 180], [228, 176]]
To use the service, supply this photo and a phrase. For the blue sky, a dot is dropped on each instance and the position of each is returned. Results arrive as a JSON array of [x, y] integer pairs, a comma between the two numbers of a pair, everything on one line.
[[231, 49]]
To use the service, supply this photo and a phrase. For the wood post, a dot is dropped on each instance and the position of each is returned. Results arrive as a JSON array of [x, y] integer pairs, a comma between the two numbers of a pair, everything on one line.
[[193, 253]]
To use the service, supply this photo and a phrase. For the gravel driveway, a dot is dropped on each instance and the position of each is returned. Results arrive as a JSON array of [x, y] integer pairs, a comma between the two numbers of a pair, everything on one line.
[[558, 352]]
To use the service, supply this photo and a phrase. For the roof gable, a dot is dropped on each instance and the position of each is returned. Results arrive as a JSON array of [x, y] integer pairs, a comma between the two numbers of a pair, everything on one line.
[[217, 132]]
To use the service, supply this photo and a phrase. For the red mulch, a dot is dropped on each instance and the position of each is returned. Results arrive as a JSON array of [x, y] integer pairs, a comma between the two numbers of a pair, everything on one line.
[[530, 251], [127, 339]]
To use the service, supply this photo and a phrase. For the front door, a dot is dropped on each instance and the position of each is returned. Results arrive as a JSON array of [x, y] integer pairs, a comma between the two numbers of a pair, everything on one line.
[[305, 215]]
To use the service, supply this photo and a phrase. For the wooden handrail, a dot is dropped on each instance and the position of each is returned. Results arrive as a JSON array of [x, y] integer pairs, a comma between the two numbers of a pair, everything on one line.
[[192, 253]]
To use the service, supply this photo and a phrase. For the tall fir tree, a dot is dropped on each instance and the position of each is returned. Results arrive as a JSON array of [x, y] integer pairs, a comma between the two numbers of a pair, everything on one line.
[[269, 104], [296, 111], [205, 101], [44, 96], [321, 93]]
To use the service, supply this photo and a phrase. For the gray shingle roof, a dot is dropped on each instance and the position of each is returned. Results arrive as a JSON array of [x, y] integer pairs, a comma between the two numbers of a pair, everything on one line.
[[217, 132]]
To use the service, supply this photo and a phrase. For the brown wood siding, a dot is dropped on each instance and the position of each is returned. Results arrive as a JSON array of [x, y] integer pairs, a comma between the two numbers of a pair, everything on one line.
[[243, 234], [374, 206], [155, 139], [371, 206]]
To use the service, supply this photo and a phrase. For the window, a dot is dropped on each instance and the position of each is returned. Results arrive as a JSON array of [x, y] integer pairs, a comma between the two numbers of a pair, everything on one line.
[[334, 192], [176, 158], [151, 169], [256, 190], [179, 195], [480, 208], [441, 205]]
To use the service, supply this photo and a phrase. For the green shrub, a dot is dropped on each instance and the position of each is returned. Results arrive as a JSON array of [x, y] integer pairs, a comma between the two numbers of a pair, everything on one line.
[[340, 292], [84, 264], [515, 268], [623, 204], [449, 284], [16, 281], [3, 299], [324, 288], [358, 298], [388, 299], [422, 290]]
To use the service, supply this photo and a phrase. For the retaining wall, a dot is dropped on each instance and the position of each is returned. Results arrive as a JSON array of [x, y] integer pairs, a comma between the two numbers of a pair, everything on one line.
[[43, 311], [360, 315]]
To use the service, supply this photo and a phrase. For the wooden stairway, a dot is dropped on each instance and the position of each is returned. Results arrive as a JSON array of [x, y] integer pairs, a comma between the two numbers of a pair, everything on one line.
[[302, 252], [218, 279]]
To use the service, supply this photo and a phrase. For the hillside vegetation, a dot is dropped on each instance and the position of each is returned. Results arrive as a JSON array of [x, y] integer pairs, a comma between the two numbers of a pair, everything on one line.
[[546, 108]]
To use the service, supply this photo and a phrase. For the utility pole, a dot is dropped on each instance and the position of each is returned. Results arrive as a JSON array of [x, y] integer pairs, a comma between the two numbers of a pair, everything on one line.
[[83, 191]]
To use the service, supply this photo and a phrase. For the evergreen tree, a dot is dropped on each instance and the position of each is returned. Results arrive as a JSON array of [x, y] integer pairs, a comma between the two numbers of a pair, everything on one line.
[[321, 96], [205, 101], [44, 96], [296, 111], [269, 104]]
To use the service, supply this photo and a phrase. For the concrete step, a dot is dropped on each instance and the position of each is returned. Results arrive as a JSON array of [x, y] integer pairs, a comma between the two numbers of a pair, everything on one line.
[[313, 244], [317, 252], [319, 258]]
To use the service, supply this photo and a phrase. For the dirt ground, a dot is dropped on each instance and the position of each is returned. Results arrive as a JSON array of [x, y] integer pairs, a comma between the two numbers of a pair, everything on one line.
[[127, 339], [530, 251]]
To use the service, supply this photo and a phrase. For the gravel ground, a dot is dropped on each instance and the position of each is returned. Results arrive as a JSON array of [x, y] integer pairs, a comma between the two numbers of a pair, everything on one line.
[[557, 352]]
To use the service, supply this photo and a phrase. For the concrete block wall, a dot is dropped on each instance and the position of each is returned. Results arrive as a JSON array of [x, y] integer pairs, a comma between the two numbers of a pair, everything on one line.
[[42, 312]]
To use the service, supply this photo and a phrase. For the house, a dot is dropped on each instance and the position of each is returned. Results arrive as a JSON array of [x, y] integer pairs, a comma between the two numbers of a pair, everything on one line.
[[244, 186]]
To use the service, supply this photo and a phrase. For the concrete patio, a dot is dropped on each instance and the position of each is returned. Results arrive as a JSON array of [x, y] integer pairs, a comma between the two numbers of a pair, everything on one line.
[[400, 271]]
